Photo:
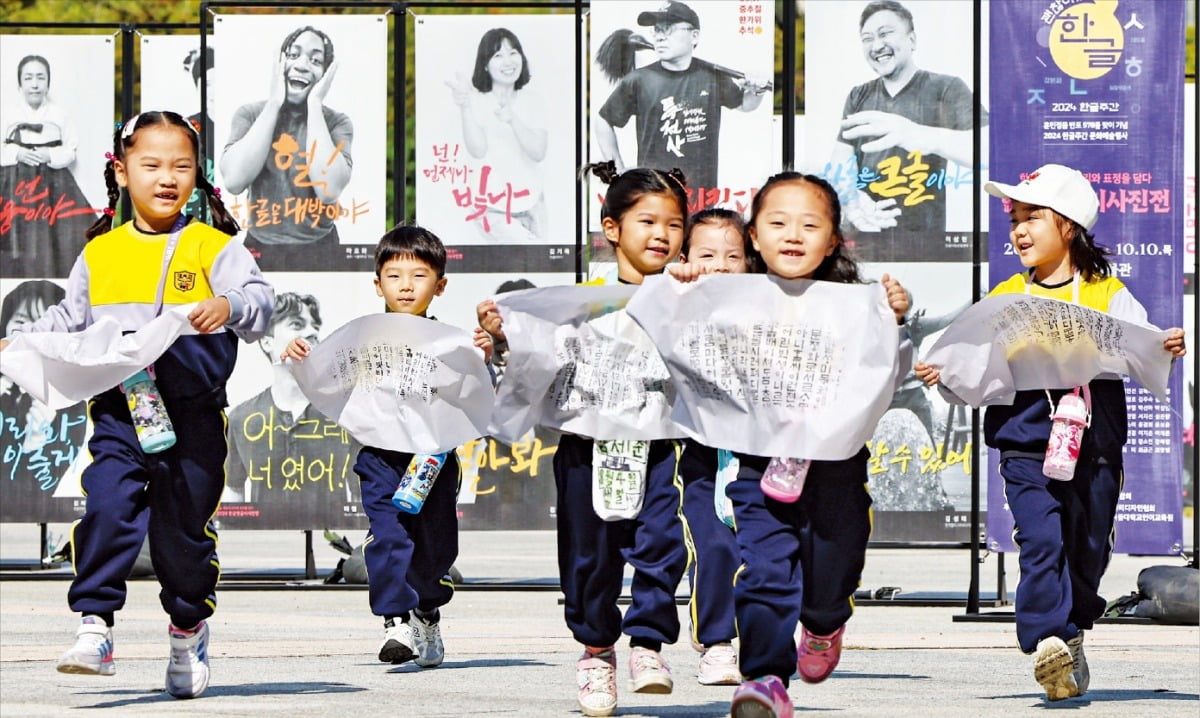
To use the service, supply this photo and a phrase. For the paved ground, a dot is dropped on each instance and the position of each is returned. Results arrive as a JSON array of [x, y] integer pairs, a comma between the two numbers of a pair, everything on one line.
[[298, 649]]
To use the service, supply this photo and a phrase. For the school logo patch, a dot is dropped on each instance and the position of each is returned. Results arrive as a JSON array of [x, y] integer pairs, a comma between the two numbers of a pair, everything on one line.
[[184, 281]]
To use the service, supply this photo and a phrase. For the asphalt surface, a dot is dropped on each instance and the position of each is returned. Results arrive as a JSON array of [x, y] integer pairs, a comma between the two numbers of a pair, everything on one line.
[[282, 645]]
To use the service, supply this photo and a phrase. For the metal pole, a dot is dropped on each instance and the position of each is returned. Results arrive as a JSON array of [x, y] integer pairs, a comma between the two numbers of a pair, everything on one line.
[[976, 281], [400, 181], [127, 83], [788, 83], [1195, 562], [581, 127]]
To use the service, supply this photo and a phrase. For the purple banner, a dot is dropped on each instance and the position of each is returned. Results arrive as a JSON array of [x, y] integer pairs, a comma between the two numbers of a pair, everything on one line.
[[1098, 86]]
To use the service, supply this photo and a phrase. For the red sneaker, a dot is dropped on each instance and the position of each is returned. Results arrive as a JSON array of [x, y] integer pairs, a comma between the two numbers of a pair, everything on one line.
[[818, 655]]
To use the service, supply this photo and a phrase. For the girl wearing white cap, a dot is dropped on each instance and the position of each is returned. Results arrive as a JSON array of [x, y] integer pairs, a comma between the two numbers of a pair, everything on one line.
[[1064, 528]]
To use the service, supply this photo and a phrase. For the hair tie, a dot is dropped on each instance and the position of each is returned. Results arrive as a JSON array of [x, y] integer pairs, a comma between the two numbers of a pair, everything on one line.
[[217, 192], [109, 156], [109, 212], [677, 175]]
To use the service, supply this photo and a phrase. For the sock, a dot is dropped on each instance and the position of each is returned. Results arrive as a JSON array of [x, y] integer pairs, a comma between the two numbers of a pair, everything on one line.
[[106, 617], [595, 652]]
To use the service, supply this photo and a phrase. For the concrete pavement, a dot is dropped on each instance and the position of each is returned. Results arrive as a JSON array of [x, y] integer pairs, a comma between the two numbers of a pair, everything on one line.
[[304, 650]]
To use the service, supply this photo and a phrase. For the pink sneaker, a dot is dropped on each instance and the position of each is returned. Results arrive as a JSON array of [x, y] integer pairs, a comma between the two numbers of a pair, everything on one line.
[[762, 698], [597, 679], [648, 672], [818, 655]]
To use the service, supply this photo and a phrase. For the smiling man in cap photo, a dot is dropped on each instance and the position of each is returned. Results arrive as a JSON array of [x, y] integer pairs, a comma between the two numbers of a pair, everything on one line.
[[676, 100]]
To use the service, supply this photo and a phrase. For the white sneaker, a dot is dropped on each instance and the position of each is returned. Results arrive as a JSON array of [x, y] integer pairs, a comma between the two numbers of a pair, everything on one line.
[[1053, 668], [92, 653], [719, 666], [427, 640], [187, 673], [1081, 674], [397, 646]]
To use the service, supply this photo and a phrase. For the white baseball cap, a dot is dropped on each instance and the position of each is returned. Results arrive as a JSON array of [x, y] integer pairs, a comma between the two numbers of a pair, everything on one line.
[[1060, 188]]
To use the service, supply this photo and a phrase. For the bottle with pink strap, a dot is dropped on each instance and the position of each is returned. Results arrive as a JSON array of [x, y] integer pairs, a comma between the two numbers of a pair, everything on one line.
[[1071, 417], [783, 479]]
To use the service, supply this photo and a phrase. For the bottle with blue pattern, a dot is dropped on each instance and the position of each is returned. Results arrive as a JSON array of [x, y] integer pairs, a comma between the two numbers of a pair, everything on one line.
[[418, 479]]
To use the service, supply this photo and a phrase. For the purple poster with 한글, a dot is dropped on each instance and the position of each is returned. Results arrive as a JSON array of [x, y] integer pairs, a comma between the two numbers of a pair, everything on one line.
[[1098, 85]]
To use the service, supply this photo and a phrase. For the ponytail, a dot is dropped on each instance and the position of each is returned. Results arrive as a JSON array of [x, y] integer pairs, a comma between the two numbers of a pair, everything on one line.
[[605, 171], [219, 214]]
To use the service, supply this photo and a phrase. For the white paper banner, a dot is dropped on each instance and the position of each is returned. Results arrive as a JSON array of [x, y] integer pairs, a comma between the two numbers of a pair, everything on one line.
[[773, 367], [1014, 342], [580, 364], [400, 382], [61, 368]]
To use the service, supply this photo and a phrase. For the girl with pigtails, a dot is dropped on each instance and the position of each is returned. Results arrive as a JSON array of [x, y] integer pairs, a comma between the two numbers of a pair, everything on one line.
[[158, 260], [643, 219]]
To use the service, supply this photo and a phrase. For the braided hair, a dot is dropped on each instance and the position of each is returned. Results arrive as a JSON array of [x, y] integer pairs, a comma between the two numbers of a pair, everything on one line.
[[123, 140]]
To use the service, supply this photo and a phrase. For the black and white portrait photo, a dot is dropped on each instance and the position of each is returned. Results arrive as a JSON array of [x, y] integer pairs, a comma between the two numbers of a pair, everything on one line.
[[297, 95], [51, 148]]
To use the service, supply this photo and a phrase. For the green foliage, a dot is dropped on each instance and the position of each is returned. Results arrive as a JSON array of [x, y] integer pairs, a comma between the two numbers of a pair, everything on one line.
[[1189, 62]]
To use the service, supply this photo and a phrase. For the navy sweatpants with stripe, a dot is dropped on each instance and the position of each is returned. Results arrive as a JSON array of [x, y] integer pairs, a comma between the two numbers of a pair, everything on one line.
[[713, 548], [592, 552], [172, 495], [1065, 536], [408, 556], [800, 561]]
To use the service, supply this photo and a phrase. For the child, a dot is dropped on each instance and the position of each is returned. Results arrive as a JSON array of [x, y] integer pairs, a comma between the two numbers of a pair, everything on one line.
[[643, 218], [159, 260], [408, 556], [800, 561], [1063, 528], [715, 241]]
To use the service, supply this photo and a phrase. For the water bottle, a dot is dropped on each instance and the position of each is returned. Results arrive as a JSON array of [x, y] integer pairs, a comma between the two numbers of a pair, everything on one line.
[[619, 477], [417, 481], [727, 471], [154, 430], [1066, 436], [783, 479]]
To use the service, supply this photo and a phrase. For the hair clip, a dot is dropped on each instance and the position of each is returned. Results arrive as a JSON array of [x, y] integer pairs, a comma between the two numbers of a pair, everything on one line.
[[109, 156], [109, 211], [195, 124], [130, 126]]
